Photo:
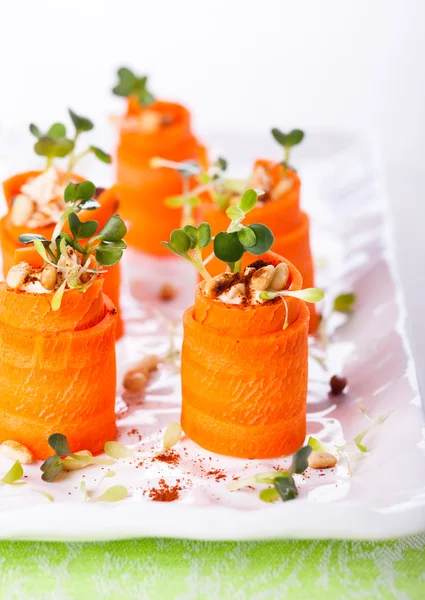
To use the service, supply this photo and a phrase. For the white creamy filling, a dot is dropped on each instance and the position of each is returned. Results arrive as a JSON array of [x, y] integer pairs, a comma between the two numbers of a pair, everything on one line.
[[46, 193], [34, 287]]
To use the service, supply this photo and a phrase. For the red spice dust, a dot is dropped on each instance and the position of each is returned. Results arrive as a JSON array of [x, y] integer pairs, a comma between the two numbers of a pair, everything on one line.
[[217, 474], [135, 432], [165, 492], [171, 457]]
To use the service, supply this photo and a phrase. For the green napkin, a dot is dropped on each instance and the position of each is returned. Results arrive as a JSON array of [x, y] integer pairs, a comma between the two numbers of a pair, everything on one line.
[[178, 569]]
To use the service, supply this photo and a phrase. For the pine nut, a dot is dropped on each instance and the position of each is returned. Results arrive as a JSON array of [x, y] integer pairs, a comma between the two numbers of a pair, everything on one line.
[[134, 381], [21, 211], [280, 277], [263, 277], [321, 460], [16, 451], [17, 275], [150, 121], [48, 277], [219, 284], [260, 179], [148, 363], [281, 188], [70, 464]]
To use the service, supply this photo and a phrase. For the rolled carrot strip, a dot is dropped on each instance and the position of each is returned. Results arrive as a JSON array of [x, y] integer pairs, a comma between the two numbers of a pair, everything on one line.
[[283, 216], [143, 190], [57, 369], [244, 388], [9, 234]]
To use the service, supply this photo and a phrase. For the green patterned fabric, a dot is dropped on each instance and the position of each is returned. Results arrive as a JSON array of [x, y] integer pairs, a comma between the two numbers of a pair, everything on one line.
[[178, 569]]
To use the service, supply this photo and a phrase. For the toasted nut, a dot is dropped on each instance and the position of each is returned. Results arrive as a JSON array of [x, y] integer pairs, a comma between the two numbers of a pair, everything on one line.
[[69, 464], [148, 363], [150, 121], [262, 277], [48, 277], [321, 460], [167, 292], [134, 381], [21, 211], [219, 284], [280, 277], [281, 188], [16, 451], [260, 179], [17, 275], [337, 384], [85, 277]]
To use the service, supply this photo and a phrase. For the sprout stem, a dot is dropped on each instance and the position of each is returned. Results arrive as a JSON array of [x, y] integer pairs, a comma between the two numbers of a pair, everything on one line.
[[199, 267]]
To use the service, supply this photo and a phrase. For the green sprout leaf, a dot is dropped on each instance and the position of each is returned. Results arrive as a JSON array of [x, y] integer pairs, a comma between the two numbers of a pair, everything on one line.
[[131, 85], [285, 487], [108, 254], [28, 238], [288, 140], [227, 247], [114, 229], [264, 239], [204, 235], [100, 154], [12, 476], [84, 190], [57, 298], [222, 163], [235, 213], [57, 131], [59, 443], [70, 192], [344, 303], [35, 131], [117, 450], [247, 237], [81, 229], [80, 123], [45, 146], [315, 444], [113, 494], [311, 295], [63, 147], [248, 200], [300, 460], [38, 245], [269, 495], [126, 82], [51, 468], [192, 232]]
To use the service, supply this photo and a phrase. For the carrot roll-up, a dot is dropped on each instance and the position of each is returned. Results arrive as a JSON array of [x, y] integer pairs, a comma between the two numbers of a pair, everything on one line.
[[244, 376], [57, 337], [151, 129], [245, 345]]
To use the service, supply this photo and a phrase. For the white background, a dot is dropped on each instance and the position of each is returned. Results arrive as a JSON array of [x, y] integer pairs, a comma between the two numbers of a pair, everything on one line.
[[241, 65]]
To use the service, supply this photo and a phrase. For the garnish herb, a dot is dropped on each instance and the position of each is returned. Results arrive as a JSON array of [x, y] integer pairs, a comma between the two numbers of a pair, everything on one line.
[[344, 303], [283, 481], [229, 246], [172, 436], [287, 141], [12, 476], [106, 246], [211, 181], [310, 295], [113, 494], [131, 85], [117, 450], [54, 465], [55, 143]]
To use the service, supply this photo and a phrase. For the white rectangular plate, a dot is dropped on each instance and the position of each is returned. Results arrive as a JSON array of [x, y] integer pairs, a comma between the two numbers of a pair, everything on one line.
[[383, 498]]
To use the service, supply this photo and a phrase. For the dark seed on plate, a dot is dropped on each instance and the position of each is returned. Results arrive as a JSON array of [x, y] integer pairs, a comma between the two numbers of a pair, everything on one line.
[[337, 384]]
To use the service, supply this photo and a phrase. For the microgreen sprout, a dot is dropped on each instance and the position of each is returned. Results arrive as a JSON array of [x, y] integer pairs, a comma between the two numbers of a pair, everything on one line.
[[229, 246], [344, 303], [106, 246], [54, 465], [117, 450], [310, 295], [283, 481], [208, 181], [212, 181], [15, 472], [130, 84], [287, 141], [55, 143]]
